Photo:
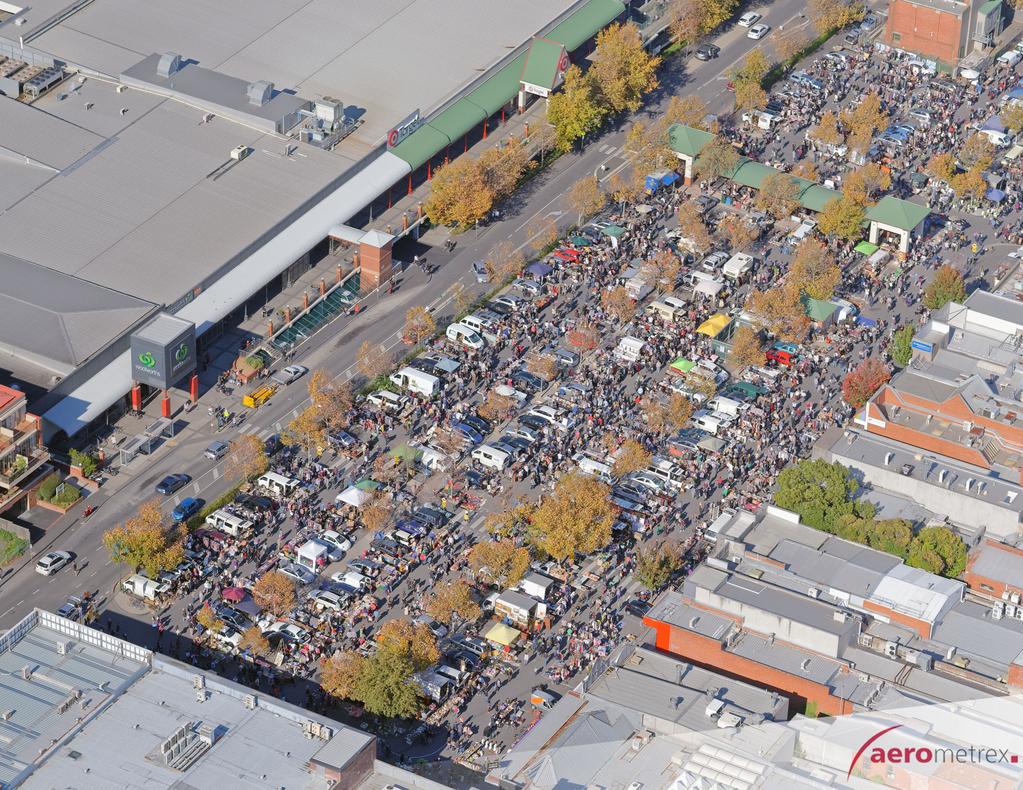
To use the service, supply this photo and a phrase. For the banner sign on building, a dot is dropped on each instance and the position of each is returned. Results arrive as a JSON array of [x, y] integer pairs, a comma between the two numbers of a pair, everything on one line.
[[920, 345], [404, 128], [163, 351]]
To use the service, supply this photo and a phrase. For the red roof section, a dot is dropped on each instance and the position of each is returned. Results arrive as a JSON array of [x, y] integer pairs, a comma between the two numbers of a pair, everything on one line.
[[9, 396]]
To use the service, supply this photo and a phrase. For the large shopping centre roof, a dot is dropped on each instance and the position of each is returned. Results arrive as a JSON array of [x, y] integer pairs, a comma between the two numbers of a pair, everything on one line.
[[121, 178]]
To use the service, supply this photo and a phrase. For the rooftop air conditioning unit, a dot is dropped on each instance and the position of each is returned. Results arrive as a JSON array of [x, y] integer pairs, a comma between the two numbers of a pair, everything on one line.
[[1010, 610], [1014, 597], [239, 153], [1019, 613], [891, 649], [997, 610], [813, 592]]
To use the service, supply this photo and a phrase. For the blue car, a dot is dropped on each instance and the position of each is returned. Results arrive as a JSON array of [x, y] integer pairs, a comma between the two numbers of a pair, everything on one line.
[[187, 508], [468, 432]]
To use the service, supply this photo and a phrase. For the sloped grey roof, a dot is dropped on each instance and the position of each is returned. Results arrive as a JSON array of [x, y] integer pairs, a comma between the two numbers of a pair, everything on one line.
[[59, 321]]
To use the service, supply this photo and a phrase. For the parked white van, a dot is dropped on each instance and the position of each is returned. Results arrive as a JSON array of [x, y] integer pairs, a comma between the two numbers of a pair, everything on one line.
[[629, 349], [464, 336], [725, 406], [638, 289], [738, 265], [671, 474], [482, 326], [1000, 139], [277, 484], [433, 459], [228, 522], [593, 466], [416, 381], [388, 401], [491, 457], [663, 310], [707, 422]]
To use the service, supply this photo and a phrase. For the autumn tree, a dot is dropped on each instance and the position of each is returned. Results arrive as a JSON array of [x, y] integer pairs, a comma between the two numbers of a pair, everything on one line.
[[544, 234], [747, 80], [693, 228], [781, 310], [788, 45], [274, 592], [459, 194], [826, 130], [499, 563], [402, 639], [331, 399], [830, 15], [842, 218], [655, 415], [497, 407], [863, 120], [805, 169], [585, 197], [719, 158], [685, 20], [941, 166], [254, 642], [646, 147], [503, 167], [737, 232], [508, 523], [375, 513], [678, 411], [1012, 116], [450, 601], [385, 687], [143, 542], [947, 286], [373, 360], [746, 348], [622, 68], [544, 366], [687, 110], [339, 674], [618, 304], [969, 185], [504, 262], [246, 457], [306, 430], [864, 380], [626, 186], [977, 152], [419, 325], [631, 456], [661, 270], [575, 110], [813, 270], [543, 138], [575, 519], [778, 195], [655, 566], [750, 95], [865, 184], [208, 619]]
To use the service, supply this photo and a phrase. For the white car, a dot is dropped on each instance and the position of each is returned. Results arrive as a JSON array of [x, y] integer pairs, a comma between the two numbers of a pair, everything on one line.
[[295, 571], [757, 32], [335, 540], [227, 635], [351, 579], [325, 599], [52, 562], [289, 374], [749, 19], [290, 631]]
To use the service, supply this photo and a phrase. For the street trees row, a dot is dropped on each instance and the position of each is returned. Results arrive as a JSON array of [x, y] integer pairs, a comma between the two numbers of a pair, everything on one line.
[[329, 403]]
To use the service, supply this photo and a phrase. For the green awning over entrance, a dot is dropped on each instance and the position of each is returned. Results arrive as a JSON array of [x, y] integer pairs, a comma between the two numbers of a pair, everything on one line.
[[898, 213], [496, 91], [585, 23], [421, 145], [542, 60], [458, 119], [688, 141]]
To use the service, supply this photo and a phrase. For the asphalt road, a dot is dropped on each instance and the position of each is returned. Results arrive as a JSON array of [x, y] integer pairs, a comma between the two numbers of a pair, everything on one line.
[[334, 348]]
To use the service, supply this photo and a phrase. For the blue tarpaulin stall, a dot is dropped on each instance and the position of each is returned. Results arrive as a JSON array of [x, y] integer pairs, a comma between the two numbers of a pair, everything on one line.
[[862, 319], [665, 178], [995, 195], [538, 270]]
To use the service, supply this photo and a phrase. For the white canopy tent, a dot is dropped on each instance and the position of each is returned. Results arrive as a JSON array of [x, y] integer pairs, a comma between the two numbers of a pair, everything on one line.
[[353, 496], [708, 287]]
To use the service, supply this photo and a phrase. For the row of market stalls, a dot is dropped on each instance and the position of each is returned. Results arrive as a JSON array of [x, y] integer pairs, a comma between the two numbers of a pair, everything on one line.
[[891, 222]]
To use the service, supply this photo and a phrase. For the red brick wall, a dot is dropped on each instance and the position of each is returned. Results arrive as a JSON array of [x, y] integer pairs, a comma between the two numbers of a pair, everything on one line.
[[927, 31], [925, 441], [709, 653], [1015, 676], [922, 627], [987, 586]]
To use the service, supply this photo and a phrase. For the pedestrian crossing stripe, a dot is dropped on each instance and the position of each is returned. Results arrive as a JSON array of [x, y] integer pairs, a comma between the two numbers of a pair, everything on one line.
[[265, 434]]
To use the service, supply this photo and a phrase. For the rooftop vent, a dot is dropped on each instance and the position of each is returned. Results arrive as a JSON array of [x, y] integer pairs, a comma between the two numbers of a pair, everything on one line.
[[169, 63], [260, 92], [907, 469], [26, 672], [888, 458]]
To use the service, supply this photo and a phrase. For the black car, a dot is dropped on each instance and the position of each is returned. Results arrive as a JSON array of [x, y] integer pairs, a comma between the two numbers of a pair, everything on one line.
[[482, 425], [532, 421], [517, 442], [638, 607], [526, 381], [707, 52], [501, 309], [172, 483], [254, 501], [430, 516]]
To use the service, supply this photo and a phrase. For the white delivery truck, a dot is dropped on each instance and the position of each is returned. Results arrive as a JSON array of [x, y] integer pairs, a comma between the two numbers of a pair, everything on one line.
[[738, 265], [638, 289], [144, 588], [416, 381], [629, 349]]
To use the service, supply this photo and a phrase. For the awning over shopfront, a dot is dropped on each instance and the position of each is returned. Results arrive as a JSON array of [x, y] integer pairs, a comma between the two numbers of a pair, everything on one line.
[[585, 23], [709, 287]]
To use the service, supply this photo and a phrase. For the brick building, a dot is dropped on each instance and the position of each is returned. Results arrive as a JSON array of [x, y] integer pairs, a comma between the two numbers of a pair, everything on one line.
[[22, 456], [943, 30]]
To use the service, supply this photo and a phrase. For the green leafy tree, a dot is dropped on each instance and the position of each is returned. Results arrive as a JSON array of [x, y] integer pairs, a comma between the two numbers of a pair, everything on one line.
[[938, 550], [947, 286], [820, 493], [87, 463], [385, 687], [655, 566], [901, 347], [891, 535]]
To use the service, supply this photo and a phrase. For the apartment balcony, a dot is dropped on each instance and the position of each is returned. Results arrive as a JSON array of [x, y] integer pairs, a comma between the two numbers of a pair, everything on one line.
[[12, 438], [14, 470]]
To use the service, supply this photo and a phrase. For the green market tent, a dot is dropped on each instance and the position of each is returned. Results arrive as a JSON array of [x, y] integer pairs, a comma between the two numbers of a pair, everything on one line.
[[682, 365], [614, 231], [866, 248]]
